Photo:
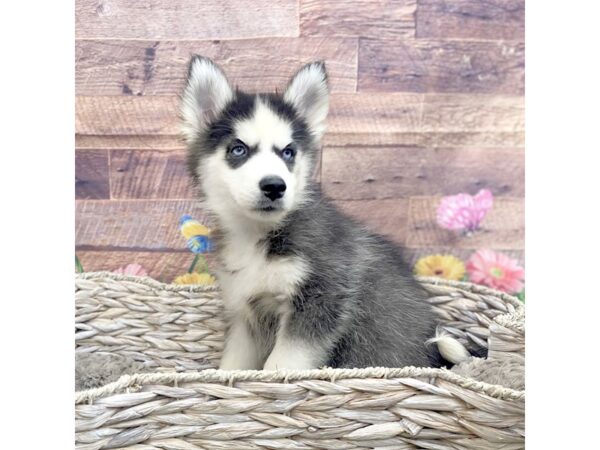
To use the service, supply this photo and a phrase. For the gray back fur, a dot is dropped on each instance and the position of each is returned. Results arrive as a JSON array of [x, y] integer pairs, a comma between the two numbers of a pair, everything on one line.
[[358, 279]]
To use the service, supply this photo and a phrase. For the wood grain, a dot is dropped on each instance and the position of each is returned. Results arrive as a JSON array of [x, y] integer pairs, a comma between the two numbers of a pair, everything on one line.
[[471, 19], [430, 120], [86, 142], [129, 115], [374, 18], [503, 227], [423, 65], [451, 113], [392, 172], [146, 174], [91, 175], [136, 67], [138, 225], [162, 266], [182, 19], [387, 217]]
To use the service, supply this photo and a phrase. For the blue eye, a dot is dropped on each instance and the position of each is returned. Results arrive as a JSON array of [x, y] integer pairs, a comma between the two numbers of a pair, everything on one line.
[[288, 154], [238, 151]]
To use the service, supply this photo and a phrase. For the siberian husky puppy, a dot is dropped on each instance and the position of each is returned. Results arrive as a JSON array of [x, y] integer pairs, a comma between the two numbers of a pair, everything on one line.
[[303, 285]]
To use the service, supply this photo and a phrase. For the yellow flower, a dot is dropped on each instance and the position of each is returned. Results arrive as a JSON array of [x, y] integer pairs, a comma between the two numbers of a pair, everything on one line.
[[442, 266], [195, 278]]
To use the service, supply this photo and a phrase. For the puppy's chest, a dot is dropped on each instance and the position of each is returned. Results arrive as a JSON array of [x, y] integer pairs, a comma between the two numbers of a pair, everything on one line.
[[256, 283]]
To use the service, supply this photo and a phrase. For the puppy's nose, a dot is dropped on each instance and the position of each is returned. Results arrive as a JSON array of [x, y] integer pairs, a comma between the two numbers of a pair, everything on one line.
[[272, 186]]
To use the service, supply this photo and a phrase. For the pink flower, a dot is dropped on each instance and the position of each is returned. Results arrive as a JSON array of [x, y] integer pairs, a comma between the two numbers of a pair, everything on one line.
[[132, 269], [463, 211], [496, 270]]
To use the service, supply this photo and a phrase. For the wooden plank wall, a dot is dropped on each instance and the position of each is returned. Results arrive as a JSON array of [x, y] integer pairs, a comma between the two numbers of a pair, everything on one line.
[[427, 101]]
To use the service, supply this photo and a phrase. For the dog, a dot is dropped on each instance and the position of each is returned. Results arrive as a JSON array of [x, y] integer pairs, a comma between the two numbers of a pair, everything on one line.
[[303, 285]]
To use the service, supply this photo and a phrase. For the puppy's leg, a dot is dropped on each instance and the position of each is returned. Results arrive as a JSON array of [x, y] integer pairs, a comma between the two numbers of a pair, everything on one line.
[[295, 352], [240, 350]]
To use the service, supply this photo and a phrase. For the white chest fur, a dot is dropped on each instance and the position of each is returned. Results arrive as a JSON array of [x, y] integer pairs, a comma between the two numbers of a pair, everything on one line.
[[248, 273]]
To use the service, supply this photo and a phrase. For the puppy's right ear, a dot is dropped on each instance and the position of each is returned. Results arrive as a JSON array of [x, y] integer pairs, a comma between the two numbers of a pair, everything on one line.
[[206, 93]]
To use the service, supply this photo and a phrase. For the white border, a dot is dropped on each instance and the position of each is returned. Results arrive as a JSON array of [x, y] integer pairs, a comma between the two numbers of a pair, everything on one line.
[[562, 222], [37, 173]]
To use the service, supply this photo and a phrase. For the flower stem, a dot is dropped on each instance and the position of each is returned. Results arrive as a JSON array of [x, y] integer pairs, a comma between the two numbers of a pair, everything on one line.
[[194, 262], [78, 265]]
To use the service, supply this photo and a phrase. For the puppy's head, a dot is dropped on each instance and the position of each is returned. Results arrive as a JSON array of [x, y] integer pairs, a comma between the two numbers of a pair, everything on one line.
[[253, 154]]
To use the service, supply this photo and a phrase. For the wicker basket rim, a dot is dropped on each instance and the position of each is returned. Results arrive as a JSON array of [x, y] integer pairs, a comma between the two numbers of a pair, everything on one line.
[[150, 282], [134, 382]]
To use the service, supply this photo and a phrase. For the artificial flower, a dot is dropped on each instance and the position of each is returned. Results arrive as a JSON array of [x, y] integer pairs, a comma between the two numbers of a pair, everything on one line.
[[195, 278], [132, 269], [496, 270], [196, 234], [442, 266], [464, 212]]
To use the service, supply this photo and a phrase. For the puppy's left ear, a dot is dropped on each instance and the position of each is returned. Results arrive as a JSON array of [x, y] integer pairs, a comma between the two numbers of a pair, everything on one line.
[[308, 92], [206, 94]]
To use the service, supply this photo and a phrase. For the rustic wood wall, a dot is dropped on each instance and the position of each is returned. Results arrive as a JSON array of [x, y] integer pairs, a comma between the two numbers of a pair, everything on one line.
[[427, 101]]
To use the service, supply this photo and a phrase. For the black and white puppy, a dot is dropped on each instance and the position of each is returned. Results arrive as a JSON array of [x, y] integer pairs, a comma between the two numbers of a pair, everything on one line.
[[303, 285]]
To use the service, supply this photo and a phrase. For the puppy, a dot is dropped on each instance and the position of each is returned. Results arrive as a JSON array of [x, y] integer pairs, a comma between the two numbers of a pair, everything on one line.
[[303, 285]]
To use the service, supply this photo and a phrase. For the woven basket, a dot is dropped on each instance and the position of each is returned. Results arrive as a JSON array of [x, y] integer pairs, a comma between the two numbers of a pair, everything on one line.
[[177, 330]]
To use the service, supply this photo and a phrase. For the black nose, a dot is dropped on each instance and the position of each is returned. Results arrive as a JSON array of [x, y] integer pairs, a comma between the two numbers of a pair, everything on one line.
[[272, 186]]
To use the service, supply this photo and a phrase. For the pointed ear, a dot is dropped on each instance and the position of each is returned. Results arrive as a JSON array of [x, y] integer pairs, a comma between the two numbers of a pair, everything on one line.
[[206, 93], [308, 92]]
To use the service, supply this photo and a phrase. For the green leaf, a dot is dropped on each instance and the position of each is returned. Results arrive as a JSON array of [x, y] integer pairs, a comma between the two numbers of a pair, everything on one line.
[[78, 265]]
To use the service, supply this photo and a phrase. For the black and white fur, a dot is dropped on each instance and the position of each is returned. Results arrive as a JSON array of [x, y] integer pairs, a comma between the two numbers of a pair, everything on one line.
[[303, 285]]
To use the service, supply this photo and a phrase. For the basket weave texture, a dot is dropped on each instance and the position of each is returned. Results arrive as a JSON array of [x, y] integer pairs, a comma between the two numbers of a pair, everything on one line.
[[185, 404]]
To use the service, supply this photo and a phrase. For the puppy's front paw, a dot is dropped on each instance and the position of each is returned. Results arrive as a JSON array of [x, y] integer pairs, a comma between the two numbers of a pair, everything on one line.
[[293, 356], [240, 350], [235, 360]]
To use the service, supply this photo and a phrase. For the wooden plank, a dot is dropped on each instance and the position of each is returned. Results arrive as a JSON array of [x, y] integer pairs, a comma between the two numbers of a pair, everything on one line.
[[127, 115], [133, 225], [134, 142], [91, 174], [149, 174], [182, 19], [373, 18], [391, 172], [423, 65], [431, 120], [162, 266], [471, 19], [387, 217], [451, 113], [124, 67], [503, 228]]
